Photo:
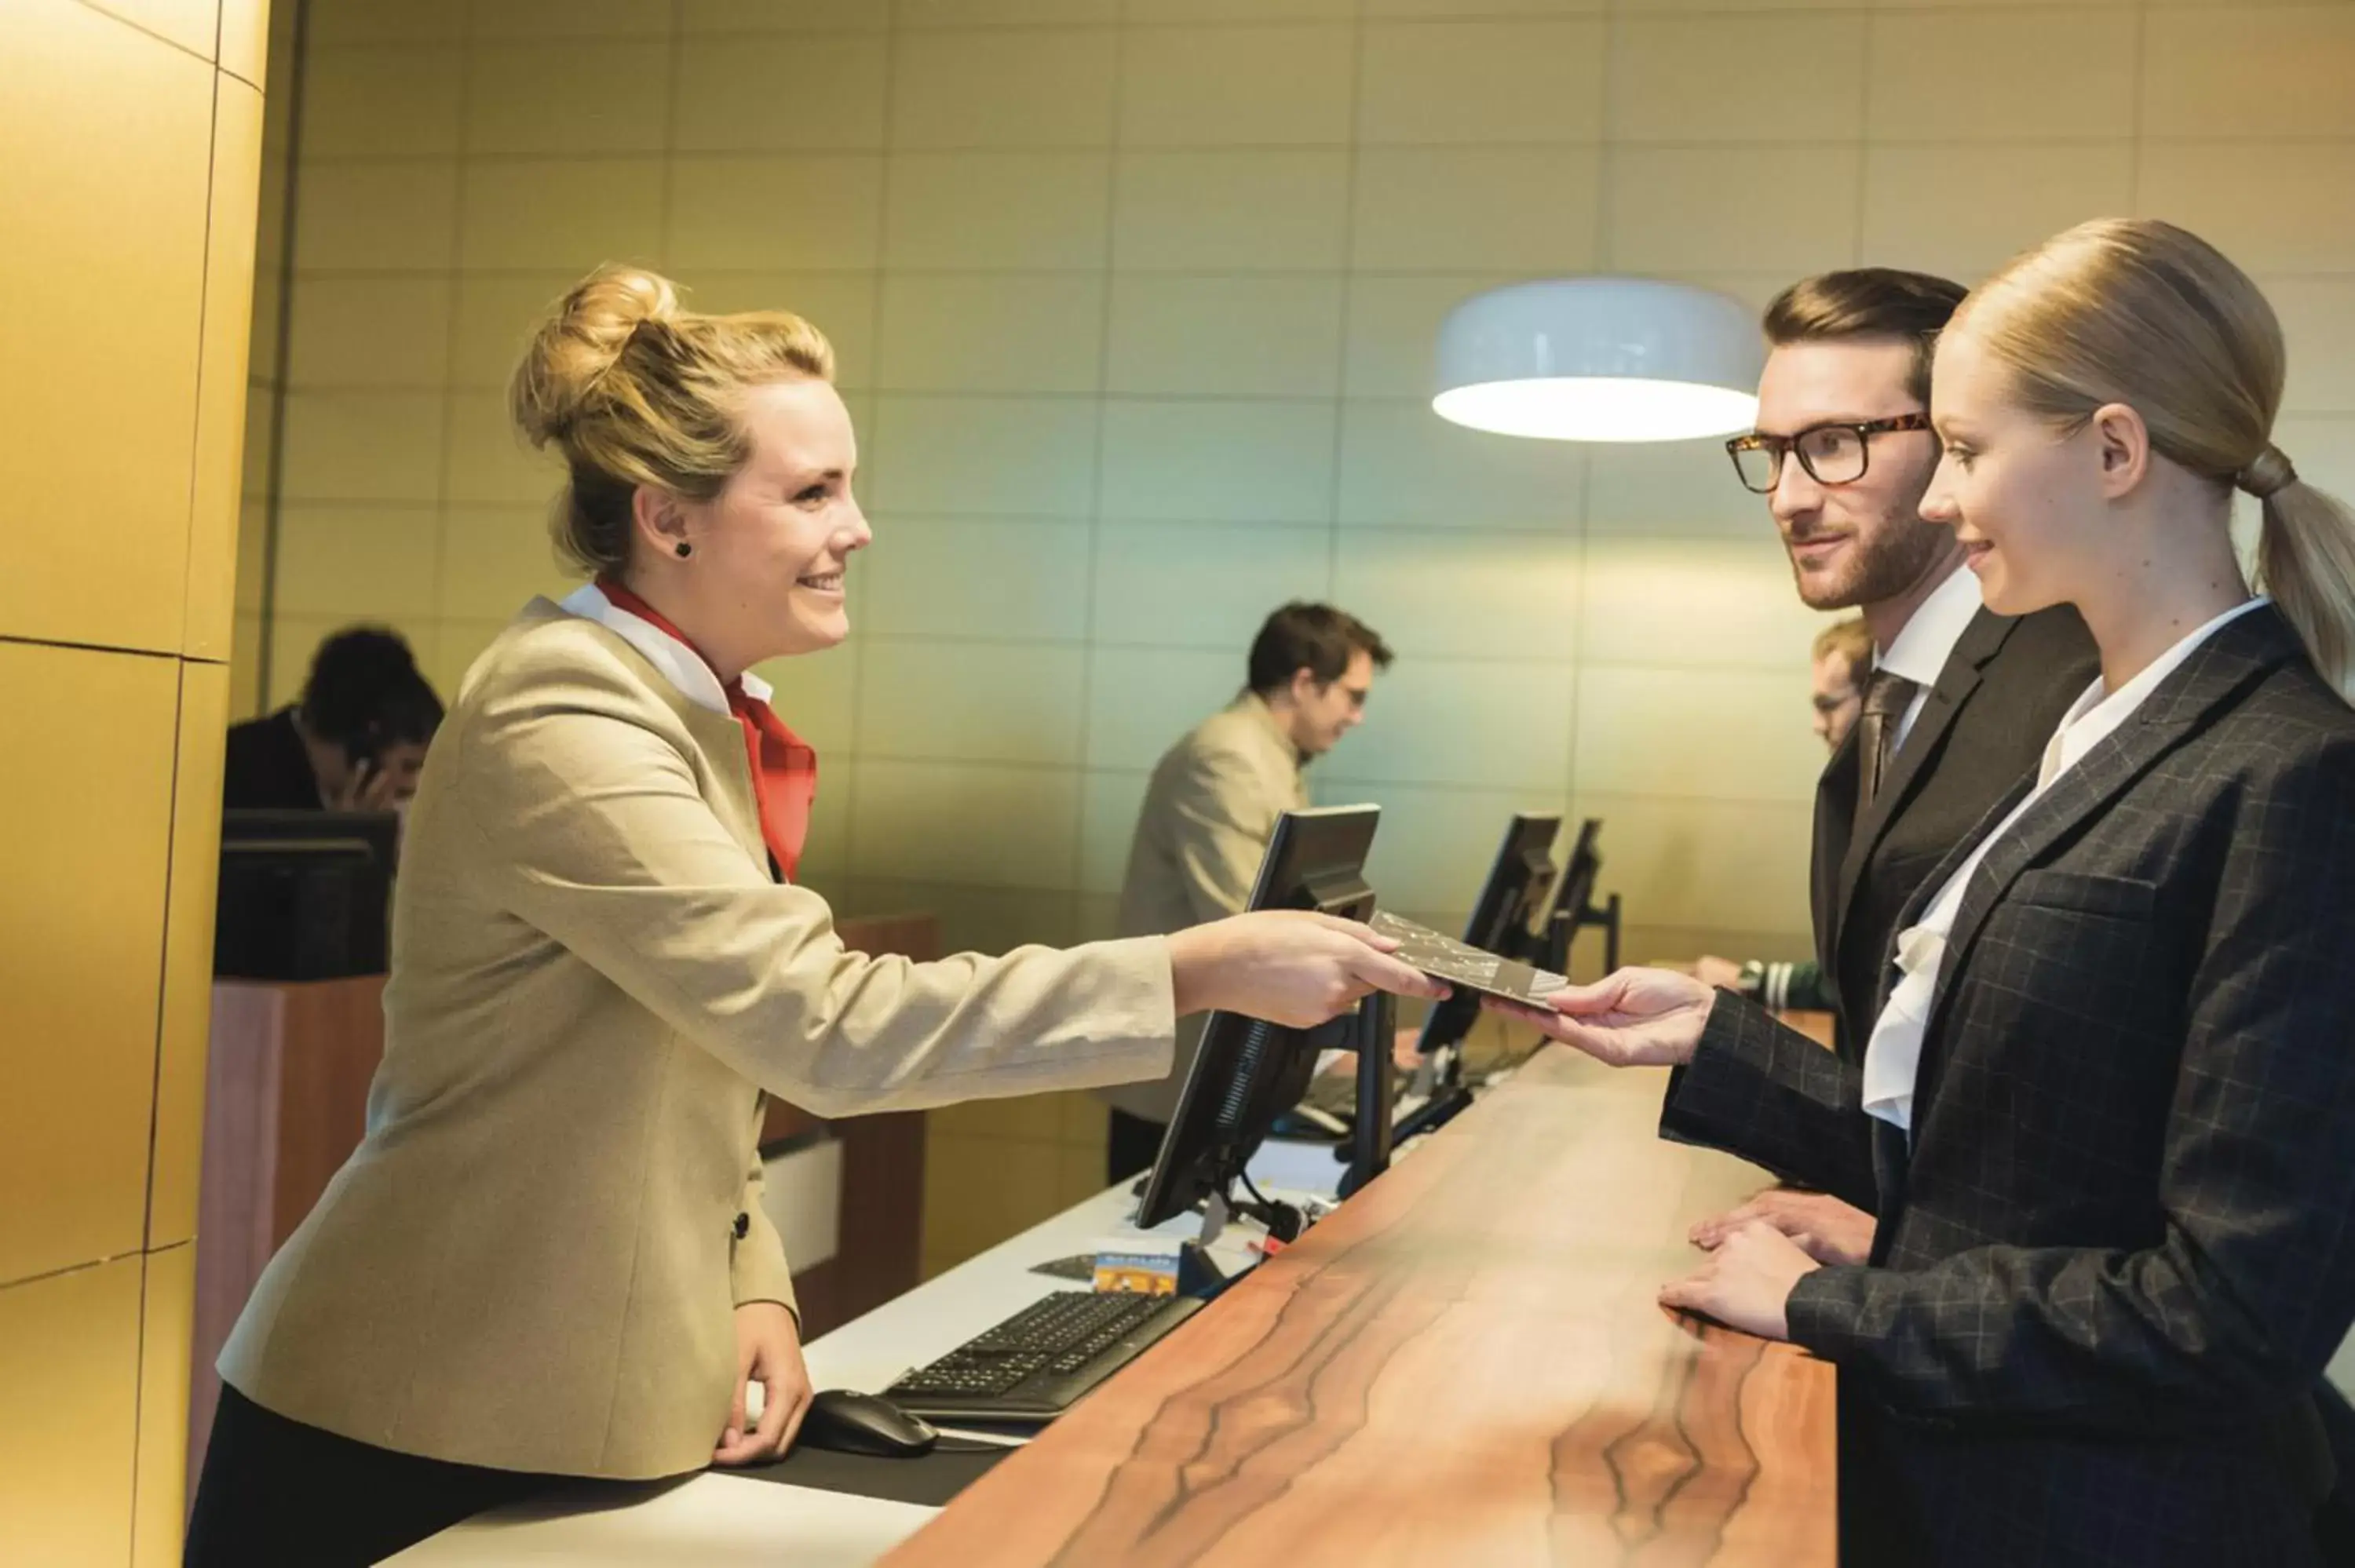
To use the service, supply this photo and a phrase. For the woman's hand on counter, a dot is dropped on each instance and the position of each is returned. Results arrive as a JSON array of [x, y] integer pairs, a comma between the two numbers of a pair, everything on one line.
[[1289, 966], [1826, 1229], [1746, 1283], [768, 1351], [1633, 1018]]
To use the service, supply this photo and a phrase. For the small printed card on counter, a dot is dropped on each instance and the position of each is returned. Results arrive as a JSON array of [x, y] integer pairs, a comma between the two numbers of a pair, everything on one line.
[[1137, 1266]]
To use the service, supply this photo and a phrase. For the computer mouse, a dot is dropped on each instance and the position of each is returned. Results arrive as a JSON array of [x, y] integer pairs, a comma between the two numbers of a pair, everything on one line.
[[842, 1421]]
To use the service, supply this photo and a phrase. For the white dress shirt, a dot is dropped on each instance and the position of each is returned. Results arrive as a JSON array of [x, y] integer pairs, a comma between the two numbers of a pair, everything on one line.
[[1893, 1055], [1922, 648]]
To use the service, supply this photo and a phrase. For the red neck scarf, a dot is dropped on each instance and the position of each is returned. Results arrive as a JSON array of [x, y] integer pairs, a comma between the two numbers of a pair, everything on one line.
[[785, 769]]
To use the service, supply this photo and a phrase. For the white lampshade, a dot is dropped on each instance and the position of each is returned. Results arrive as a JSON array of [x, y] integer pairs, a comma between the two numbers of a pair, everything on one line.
[[1600, 360]]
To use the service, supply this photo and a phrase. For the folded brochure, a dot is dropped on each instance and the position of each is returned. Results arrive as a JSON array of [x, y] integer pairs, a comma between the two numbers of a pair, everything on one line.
[[1459, 963]]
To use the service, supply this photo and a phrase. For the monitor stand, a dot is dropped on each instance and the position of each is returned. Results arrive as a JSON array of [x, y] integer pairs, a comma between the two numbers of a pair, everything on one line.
[[1369, 1034], [1566, 927], [1199, 1273], [1283, 1221], [1449, 1097]]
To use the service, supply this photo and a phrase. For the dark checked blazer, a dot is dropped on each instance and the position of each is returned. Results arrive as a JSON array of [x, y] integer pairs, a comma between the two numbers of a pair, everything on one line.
[[2002, 694], [2114, 1261]]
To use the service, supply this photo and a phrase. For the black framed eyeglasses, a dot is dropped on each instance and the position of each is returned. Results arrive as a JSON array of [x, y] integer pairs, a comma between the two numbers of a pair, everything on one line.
[[1834, 453]]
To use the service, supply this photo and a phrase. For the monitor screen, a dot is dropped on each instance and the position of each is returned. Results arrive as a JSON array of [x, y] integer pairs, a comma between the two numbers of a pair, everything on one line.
[[1519, 879], [1247, 1072], [1574, 892], [379, 833], [303, 895]]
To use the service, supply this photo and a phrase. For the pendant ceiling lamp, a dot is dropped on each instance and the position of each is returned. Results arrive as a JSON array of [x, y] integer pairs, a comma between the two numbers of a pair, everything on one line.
[[1600, 360]]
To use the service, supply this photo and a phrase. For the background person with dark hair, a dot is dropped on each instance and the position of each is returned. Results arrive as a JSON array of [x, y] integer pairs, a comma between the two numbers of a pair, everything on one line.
[[1212, 808], [354, 742]]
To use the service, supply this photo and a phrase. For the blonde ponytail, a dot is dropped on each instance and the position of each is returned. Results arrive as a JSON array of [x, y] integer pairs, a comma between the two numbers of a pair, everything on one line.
[[2306, 560], [2139, 312]]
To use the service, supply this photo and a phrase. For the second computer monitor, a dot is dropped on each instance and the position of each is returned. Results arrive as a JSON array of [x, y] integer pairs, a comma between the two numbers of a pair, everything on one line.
[[1520, 880], [1572, 905], [1249, 1072]]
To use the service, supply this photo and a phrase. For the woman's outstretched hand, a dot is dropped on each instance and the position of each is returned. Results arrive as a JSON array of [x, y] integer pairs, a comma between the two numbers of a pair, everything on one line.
[[1746, 1283], [1288, 967], [1635, 1018]]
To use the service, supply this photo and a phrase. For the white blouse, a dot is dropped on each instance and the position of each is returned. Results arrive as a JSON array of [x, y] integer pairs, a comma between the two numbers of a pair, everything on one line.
[[1893, 1055]]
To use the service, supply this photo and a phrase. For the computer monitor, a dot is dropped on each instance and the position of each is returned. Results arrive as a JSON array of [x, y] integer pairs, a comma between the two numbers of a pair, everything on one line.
[[1537, 927], [1573, 906], [1520, 880], [1249, 1072], [304, 895]]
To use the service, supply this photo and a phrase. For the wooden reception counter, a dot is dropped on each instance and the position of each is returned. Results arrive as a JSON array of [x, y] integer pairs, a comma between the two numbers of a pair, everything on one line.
[[1464, 1365]]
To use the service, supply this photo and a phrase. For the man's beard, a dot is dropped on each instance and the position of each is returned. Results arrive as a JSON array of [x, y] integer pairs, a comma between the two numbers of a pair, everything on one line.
[[1883, 566]]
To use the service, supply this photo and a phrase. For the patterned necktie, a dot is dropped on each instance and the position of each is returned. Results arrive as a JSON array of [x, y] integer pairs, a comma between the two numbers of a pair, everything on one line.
[[1886, 697]]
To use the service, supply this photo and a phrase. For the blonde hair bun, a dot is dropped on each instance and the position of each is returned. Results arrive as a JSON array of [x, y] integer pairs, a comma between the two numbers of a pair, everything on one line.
[[580, 342], [638, 392]]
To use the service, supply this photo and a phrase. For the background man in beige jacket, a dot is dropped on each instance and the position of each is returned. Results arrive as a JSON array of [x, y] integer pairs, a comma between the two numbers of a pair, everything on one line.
[[1212, 806]]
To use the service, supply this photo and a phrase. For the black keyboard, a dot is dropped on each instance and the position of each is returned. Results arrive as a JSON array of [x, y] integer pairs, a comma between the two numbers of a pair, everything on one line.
[[1034, 1365]]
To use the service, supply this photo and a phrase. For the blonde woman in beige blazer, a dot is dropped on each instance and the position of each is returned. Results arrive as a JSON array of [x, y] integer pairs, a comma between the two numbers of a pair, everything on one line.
[[548, 1257]]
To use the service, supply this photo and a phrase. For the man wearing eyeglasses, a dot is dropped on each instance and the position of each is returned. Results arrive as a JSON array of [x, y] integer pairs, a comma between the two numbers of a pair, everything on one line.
[[1959, 702], [1211, 806]]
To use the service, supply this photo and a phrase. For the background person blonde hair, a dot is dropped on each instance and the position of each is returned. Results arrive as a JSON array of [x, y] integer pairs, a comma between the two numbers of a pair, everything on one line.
[[549, 1257], [1837, 666], [2106, 1114]]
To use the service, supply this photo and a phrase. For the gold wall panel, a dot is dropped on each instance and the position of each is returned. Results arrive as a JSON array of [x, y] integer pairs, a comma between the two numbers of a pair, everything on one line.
[[70, 1360], [221, 389], [194, 24], [109, 133], [166, 1330], [245, 38], [188, 955], [85, 833]]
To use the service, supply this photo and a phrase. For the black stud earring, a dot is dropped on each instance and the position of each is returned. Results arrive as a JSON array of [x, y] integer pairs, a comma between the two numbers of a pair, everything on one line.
[[685, 549]]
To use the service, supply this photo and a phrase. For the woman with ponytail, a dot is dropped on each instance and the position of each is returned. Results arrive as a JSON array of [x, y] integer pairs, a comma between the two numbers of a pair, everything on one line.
[[2106, 1117], [549, 1257]]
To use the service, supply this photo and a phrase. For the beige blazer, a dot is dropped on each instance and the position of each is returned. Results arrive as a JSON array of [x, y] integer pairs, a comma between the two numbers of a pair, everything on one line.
[[532, 1260], [1208, 815]]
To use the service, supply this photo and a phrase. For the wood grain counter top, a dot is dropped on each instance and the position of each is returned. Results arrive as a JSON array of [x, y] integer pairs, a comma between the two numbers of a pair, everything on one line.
[[1465, 1363]]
